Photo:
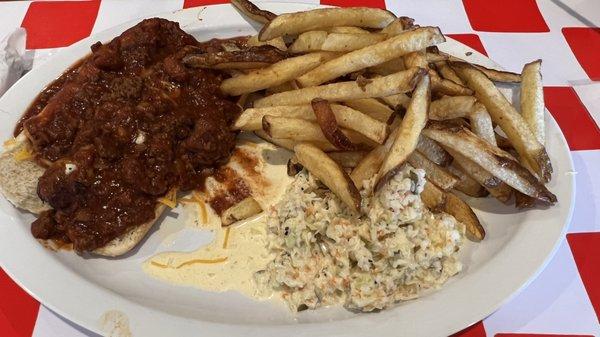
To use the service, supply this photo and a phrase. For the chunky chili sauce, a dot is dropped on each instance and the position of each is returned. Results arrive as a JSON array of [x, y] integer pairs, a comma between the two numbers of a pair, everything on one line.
[[121, 129]]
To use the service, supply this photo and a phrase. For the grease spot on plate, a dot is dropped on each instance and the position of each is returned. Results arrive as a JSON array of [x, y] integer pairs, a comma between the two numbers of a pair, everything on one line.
[[115, 323]]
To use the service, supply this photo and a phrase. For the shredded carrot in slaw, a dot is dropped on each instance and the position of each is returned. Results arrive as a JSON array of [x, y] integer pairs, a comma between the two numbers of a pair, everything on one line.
[[226, 239], [9, 142], [203, 215], [170, 199], [193, 261]]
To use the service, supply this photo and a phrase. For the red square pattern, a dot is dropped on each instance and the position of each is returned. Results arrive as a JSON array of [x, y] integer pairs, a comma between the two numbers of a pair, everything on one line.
[[586, 252], [196, 3], [574, 120], [471, 40], [17, 307], [585, 44], [52, 24], [475, 330], [355, 3], [505, 16], [536, 335]]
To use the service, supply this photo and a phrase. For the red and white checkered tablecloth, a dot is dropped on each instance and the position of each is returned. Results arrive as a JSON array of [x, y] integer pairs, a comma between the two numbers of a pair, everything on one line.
[[565, 298]]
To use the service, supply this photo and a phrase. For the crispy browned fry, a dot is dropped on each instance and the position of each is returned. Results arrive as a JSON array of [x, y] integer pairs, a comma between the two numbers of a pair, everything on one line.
[[438, 84], [532, 99], [277, 42], [308, 42], [371, 107], [389, 49], [503, 143], [448, 73], [497, 188], [253, 57], [329, 126], [289, 144], [398, 26], [523, 201], [499, 75], [240, 211], [253, 12], [342, 91], [410, 128], [505, 115], [433, 151], [449, 107], [275, 74], [434, 173], [492, 159], [300, 22], [251, 119], [466, 184], [329, 173], [481, 123], [433, 58], [347, 159], [388, 67], [439, 201]]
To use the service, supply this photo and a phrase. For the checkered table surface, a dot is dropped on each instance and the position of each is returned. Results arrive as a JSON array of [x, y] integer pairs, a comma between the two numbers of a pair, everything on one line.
[[565, 298]]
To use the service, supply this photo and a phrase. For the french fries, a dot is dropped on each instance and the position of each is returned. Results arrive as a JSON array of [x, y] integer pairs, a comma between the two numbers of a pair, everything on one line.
[[338, 42], [492, 159], [343, 91], [250, 10], [532, 99], [397, 101], [300, 22], [446, 72], [434, 173], [433, 151], [407, 138], [289, 144], [277, 42], [438, 200], [466, 184], [275, 74], [251, 119], [347, 30], [329, 173], [329, 126], [309, 42], [505, 115], [389, 49], [481, 123], [438, 84], [240, 211], [449, 107], [388, 67], [499, 75], [497, 188], [371, 107], [347, 159]]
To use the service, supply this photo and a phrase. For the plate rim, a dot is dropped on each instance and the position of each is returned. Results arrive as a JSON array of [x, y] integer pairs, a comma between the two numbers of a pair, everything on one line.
[[258, 329]]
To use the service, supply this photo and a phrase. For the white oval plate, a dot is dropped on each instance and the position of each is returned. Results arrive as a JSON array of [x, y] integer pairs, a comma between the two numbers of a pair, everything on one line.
[[517, 247]]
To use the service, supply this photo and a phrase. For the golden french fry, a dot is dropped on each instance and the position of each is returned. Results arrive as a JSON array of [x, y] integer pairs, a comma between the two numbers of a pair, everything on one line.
[[497, 188], [499, 75], [286, 86], [252, 11], [434, 173], [371, 107], [492, 159], [433, 58], [329, 125], [389, 49], [277, 42], [398, 26], [481, 123], [342, 91], [505, 115], [438, 84], [289, 144], [449, 107], [300, 22], [240, 211], [253, 57], [308, 42], [329, 173], [340, 42], [466, 184], [397, 101], [532, 99], [437, 200], [251, 119], [410, 128], [448, 73], [275, 74], [347, 159]]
